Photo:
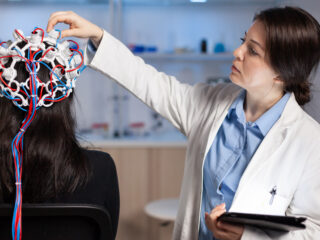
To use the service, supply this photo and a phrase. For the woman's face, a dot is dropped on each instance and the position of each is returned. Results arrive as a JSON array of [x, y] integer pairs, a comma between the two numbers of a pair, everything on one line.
[[250, 69]]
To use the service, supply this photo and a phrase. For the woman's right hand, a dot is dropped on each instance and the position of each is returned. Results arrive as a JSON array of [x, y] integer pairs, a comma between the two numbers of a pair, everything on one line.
[[78, 26]]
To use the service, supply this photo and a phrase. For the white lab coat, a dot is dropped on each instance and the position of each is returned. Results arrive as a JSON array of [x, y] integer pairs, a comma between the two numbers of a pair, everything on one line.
[[288, 157]]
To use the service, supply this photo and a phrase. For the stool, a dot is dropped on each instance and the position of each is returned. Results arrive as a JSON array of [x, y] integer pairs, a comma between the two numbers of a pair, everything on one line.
[[164, 210]]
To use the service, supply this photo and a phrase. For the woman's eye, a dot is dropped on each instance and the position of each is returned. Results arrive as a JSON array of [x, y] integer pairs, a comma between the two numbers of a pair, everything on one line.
[[252, 51], [242, 40]]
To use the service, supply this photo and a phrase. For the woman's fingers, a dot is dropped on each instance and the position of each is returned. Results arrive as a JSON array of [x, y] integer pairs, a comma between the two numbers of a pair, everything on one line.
[[229, 227], [78, 26], [70, 33], [58, 13], [220, 206], [211, 219], [58, 17], [222, 230]]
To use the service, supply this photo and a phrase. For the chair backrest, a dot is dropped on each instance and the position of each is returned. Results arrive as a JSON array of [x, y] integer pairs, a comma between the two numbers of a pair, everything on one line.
[[58, 222]]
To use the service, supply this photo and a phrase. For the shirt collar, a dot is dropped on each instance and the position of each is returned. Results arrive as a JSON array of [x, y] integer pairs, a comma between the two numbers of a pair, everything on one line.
[[237, 105], [265, 121]]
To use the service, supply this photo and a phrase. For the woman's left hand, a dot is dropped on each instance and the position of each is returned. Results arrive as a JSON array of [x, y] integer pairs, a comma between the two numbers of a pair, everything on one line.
[[222, 230]]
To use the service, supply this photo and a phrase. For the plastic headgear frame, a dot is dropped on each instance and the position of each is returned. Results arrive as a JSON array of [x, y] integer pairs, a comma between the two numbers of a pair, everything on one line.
[[65, 65]]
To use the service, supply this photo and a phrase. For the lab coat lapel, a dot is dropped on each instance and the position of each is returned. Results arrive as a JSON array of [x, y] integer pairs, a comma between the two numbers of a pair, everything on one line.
[[214, 128], [272, 142]]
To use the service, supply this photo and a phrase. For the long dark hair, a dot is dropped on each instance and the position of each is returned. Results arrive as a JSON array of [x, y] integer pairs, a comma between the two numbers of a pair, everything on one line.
[[292, 46], [53, 161]]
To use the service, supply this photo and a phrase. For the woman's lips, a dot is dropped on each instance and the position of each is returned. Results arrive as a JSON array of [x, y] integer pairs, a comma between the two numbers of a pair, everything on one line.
[[234, 69]]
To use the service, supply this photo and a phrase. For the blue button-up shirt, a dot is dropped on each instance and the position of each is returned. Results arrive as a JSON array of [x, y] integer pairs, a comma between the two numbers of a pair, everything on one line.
[[229, 155]]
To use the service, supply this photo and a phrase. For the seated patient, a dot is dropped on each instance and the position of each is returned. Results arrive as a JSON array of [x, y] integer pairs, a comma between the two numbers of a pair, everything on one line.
[[41, 160]]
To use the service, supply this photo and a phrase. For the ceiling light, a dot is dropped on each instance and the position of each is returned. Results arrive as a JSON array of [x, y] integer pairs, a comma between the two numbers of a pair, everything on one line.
[[198, 1]]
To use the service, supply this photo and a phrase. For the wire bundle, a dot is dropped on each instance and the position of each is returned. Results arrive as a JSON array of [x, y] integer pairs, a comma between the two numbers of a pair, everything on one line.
[[64, 63]]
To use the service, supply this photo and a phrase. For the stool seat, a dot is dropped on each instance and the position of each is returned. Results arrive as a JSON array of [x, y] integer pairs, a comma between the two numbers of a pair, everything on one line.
[[163, 209]]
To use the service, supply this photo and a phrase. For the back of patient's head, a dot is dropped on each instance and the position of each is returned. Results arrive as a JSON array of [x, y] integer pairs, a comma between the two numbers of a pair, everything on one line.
[[53, 162]]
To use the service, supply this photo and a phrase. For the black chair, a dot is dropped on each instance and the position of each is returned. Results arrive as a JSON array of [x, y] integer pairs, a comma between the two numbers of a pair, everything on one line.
[[58, 222]]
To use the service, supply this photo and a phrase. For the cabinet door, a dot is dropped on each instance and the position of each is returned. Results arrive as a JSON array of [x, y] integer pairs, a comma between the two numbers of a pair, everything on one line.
[[133, 175], [145, 175], [167, 171], [167, 166]]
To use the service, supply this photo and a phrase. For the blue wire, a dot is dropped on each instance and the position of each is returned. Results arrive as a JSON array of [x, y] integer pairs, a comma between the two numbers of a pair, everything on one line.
[[37, 54], [82, 68], [25, 91], [18, 139], [17, 105], [71, 58], [15, 153], [18, 51], [26, 122], [4, 93], [54, 73], [58, 40]]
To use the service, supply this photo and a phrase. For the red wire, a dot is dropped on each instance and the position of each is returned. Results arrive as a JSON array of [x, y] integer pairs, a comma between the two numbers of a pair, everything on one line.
[[1, 79], [40, 30], [11, 56], [29, 119], [45, 54], [75, 44], [41, 88], [51, 74], [32, 55], [20, 35], [71, 70]]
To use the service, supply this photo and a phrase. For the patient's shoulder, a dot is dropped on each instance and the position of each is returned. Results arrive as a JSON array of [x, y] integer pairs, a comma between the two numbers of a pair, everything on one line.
[[99, 158]]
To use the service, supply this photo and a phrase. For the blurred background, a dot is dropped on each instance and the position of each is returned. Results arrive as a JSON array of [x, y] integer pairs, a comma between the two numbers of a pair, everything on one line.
[[190, 39]]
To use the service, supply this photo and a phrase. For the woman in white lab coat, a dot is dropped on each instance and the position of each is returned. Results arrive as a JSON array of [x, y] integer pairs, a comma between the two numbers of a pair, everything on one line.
[[276, 169]]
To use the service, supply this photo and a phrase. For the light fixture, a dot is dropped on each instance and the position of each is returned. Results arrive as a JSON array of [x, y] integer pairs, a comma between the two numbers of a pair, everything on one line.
[[198, 1]]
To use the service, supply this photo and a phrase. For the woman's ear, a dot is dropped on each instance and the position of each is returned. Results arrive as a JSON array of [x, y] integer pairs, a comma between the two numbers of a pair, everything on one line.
[[278, 79]]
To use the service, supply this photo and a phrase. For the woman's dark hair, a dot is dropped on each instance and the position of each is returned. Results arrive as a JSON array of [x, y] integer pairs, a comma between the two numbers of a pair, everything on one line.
[[292, 46], [53, 162]]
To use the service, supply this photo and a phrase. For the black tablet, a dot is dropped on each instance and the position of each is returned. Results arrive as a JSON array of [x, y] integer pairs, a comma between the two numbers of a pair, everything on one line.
[[272, 222]]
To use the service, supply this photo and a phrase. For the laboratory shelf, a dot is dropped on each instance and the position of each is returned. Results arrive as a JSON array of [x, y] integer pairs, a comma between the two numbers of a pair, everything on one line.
[[166, 139], [198, 2], [187, 56]]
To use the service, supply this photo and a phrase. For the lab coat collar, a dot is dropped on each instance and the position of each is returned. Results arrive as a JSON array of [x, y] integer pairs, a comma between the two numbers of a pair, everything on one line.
[[290, 117]]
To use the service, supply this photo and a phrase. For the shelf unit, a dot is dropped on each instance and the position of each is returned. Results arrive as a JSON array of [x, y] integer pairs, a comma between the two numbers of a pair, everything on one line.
[[187, 56], [189, 3]]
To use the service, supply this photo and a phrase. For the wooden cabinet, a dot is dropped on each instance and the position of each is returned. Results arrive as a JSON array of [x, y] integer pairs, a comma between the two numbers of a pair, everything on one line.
[[146, 174]]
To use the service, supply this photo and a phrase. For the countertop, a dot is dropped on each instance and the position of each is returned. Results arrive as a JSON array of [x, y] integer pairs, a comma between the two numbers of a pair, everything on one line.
[[165, 139]]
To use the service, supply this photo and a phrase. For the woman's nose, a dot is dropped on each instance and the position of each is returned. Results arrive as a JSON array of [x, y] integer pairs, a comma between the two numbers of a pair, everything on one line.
[[238, 53]]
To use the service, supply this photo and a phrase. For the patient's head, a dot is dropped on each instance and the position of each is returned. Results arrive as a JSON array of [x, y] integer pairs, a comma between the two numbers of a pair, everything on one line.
[[41, 84]]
